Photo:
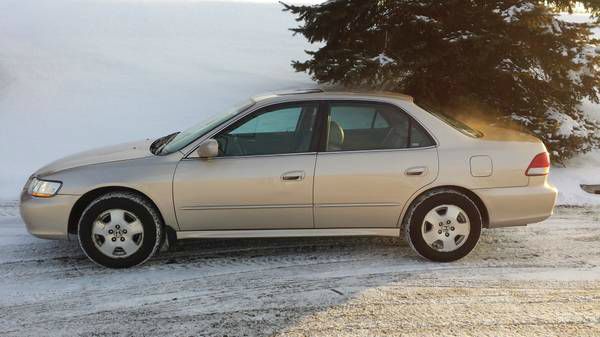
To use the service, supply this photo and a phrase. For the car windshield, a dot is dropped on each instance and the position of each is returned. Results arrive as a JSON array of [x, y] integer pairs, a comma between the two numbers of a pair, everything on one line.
[[176, 142], [455, 123]]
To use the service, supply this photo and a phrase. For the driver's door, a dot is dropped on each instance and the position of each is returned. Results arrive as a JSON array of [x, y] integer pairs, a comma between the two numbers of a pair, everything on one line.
[[262, 178]]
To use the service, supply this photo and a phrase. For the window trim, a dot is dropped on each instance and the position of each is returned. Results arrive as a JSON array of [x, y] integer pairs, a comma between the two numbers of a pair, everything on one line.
[[378, 150], [322, 149], [257, 156], [318, 134]]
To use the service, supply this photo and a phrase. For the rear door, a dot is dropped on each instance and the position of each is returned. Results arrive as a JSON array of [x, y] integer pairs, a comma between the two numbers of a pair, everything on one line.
[[373, 158]]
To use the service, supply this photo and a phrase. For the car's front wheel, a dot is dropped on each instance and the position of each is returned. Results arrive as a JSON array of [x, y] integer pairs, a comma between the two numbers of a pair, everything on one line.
[[120, 230], [443, 225]]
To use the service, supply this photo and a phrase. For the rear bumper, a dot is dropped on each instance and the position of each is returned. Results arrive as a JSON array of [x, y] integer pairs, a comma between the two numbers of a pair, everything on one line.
[[518, 206], [47, 218]]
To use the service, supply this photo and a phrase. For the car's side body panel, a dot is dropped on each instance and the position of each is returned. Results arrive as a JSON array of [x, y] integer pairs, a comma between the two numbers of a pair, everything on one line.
[[244, 192], [369, 188], [277, 233], [152, 176], [47, 218], [518, 206], [511, 198]]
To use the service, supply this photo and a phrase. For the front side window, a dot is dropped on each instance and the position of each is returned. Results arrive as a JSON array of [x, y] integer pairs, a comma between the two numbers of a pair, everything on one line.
[[287, 129], [372, 126], [182, 139]]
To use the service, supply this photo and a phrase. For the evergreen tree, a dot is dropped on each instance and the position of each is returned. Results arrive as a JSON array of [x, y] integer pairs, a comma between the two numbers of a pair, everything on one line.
[[515, 60]]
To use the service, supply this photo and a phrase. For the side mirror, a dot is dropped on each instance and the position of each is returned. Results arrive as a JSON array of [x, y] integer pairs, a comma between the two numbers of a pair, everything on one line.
[[208, 149]]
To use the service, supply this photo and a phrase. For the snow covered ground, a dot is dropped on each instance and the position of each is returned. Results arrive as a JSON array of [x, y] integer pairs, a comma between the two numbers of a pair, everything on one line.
[[583, 169], [540, 280]]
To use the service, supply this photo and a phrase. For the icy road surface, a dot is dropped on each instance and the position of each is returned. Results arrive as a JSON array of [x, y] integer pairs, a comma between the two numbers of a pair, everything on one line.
[[539, 280]]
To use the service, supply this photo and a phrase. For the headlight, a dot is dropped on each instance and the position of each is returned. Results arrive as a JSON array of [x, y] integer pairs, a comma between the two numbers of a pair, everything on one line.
[[43, 188]]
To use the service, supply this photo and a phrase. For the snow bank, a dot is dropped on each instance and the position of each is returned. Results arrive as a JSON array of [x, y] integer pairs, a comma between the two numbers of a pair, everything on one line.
[[77, 75], [583, 169]]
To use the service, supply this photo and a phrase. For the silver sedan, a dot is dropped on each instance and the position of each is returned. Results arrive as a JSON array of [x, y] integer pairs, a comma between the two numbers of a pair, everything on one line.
[[303, 163]]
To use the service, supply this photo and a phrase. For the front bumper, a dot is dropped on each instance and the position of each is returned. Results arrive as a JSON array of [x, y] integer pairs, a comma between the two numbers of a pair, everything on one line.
[[518, 206], [47, 218]]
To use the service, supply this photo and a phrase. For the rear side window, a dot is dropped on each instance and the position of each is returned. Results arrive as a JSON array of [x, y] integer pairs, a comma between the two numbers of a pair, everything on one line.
[[372, 126], [419, 137], [455, 123], [357, 117]]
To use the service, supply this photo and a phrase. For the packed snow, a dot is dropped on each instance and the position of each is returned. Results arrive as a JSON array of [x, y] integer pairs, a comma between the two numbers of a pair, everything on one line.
[[77, 75], [539, 280]]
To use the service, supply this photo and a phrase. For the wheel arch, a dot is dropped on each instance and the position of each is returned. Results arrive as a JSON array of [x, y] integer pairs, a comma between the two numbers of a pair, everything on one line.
[[88, 197], [472, 195]]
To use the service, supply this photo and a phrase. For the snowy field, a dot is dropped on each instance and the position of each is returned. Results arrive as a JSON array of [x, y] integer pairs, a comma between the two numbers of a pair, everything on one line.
[[540, 280], [81, 74], [75, 75]]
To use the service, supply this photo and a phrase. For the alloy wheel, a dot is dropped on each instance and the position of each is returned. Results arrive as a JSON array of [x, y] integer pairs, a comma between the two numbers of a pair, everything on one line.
[[446, 228], [117, 233]]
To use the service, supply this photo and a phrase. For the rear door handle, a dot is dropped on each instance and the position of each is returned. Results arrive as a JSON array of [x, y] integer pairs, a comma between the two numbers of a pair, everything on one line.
[[293, 176], [416, 171]]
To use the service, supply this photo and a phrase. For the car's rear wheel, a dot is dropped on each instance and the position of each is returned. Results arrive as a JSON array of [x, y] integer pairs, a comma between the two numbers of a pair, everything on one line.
[[120, 230], [443, 225]]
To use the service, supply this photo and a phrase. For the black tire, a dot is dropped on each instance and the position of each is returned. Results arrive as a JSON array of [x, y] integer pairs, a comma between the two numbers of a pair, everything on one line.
[[429, 201], [132, 203]]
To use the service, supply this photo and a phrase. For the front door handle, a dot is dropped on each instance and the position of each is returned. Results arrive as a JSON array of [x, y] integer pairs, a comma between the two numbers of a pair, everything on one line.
[[416, 171], [293, 176]]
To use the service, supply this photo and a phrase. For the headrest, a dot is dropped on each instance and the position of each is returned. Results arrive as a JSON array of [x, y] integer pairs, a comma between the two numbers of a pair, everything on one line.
[[335, 139]]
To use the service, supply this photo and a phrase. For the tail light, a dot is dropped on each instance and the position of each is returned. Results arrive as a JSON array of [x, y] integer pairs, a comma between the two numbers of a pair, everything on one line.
[[539, 166]]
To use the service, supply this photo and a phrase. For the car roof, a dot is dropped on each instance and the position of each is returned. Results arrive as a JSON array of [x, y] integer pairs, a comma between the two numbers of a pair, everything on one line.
[[317, 93]]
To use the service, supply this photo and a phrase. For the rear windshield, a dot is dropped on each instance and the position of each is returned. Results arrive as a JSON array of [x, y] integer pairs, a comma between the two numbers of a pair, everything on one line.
[[455, 123]]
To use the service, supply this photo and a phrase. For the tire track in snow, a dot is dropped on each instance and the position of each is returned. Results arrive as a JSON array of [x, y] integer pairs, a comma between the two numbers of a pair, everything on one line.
[[295, 287]]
